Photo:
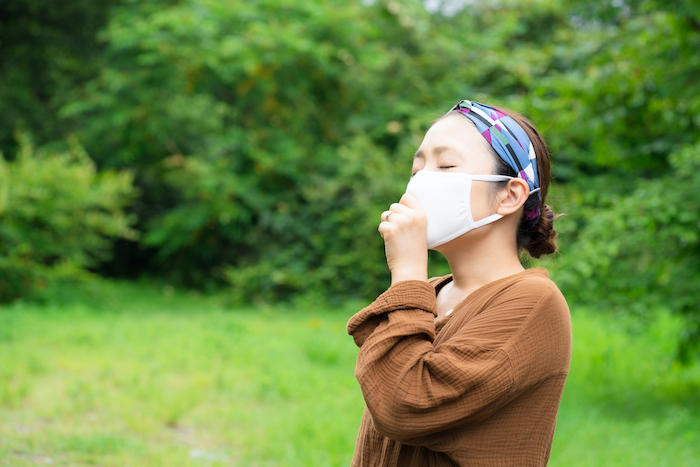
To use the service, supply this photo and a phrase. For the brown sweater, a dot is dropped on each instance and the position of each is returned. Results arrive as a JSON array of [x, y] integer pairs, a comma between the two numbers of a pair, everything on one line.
[[481, 387]]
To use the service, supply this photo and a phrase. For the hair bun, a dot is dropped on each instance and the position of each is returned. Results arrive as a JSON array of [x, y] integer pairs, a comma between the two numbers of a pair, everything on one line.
[[542, 235]]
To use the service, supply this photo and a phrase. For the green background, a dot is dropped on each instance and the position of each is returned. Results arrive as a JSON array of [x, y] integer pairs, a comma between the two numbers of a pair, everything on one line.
[[242, 151]]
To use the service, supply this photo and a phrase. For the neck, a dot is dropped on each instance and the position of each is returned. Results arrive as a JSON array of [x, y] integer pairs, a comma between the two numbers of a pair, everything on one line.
[[481, 259]]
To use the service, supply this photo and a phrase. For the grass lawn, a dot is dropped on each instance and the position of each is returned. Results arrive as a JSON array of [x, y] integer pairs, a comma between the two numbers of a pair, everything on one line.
[[134, 375]]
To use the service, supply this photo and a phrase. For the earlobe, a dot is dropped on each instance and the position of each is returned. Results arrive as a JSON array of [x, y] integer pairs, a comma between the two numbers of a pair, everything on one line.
[[513, 196]]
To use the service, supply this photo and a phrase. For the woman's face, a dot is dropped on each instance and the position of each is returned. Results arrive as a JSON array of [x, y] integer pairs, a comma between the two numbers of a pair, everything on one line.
[[453, 144]]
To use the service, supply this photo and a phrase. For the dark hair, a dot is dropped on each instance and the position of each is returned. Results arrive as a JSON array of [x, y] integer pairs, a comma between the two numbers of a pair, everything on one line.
[[536, 236]]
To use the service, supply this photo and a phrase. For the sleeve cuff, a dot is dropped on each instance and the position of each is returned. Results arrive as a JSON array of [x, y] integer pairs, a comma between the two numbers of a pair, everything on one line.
[[404, 295]]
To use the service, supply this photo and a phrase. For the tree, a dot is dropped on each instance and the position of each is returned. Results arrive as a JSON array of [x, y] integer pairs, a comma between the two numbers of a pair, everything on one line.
[[622, 116], [45, 53]]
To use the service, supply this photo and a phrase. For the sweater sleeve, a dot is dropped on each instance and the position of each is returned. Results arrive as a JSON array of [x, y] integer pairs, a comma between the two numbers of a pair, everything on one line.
[[412, 388]]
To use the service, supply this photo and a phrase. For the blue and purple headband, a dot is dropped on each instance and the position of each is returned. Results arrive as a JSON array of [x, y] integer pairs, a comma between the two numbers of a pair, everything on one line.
[[508, 139]]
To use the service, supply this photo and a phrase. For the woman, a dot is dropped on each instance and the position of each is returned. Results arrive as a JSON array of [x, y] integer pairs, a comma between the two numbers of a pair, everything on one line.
[[466, 369]]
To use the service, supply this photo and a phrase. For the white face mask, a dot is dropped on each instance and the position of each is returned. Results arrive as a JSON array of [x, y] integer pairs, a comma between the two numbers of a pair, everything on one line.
[[446, 199]]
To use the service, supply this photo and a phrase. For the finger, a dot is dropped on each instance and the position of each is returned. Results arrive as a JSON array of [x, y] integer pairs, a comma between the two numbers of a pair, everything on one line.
[[384, 228], [399, 208], [385, 215]]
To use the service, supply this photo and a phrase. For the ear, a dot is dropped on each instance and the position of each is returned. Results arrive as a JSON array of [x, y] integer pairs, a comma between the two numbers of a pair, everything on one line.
[[513, 196]]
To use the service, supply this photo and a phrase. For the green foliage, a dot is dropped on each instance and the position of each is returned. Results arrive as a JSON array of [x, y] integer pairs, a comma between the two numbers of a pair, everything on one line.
[[46, 52], [58, 216], [624, 93], [621, 116], [269, 136], [266, 137], [265, 151], [641, 249]]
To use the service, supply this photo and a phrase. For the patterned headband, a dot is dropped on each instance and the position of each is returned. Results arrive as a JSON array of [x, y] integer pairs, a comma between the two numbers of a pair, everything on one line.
[[508, 139]]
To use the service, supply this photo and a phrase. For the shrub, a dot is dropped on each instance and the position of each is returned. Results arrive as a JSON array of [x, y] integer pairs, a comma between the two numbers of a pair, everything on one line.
[[638, 250], [58, 217]]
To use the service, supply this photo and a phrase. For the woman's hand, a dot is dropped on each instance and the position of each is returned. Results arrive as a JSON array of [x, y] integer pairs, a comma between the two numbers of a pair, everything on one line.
[[404, 230]]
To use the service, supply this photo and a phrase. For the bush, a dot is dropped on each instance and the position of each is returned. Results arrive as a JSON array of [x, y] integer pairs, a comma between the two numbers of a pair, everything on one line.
[[638, 250], [267, 137], [58, 217]]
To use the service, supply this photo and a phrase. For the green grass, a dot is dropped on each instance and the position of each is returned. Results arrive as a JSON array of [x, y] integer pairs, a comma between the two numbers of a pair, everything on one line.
[[141, 376], [626, 402]]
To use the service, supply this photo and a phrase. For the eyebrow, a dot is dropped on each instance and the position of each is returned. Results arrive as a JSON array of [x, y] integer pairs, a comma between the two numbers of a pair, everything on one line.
[[437, 150]]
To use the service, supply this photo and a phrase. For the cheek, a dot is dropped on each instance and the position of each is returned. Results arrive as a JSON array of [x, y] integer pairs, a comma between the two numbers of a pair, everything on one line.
[[418, 165], [482, 200]]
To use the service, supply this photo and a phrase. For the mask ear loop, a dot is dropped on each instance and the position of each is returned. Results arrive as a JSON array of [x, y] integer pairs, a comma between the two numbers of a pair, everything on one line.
[[529, 215]]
